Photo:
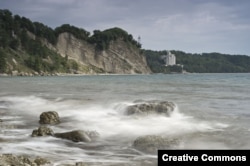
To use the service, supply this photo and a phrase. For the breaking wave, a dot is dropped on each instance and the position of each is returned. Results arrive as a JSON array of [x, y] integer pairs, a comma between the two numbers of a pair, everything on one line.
[[20, 115]]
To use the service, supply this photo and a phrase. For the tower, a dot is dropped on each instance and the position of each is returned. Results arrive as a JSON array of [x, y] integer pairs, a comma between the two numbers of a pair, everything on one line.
[[170, 59]]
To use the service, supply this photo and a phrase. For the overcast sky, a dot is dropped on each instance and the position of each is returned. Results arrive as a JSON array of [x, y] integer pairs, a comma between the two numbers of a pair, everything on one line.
[[193, 26]]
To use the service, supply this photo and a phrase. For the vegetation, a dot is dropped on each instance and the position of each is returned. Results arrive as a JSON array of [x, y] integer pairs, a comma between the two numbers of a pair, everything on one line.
[[22, 40], [16, 43], [102, 39], [199, 63], [2, 61], [77, 32]]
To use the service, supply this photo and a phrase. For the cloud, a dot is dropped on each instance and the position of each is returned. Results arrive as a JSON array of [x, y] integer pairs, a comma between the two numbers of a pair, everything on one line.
[[188, 25]]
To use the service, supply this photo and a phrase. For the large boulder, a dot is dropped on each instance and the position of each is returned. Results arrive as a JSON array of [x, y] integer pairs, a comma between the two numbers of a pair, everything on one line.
[[42, 131], [151, 107], [78, 135], [151, 143], [50, 117]]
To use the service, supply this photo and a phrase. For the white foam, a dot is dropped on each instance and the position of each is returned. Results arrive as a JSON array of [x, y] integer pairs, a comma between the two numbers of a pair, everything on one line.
[[108, 119]]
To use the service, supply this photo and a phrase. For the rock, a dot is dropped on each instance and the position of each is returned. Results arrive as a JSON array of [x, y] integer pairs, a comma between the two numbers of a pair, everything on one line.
[[12, 160], [151, 143], [42, 131], [151, 107], [14, 73], [36, 73], [41, 161], [3, 75], [9, 159], [78, 135], [50, 117], [2, 140], [81, 164]]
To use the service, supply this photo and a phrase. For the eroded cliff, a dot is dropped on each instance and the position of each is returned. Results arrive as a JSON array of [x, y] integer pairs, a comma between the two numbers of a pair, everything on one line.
[[119, 58]]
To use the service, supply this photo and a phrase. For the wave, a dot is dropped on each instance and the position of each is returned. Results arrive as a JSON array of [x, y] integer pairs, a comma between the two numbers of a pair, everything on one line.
[[117, 130]]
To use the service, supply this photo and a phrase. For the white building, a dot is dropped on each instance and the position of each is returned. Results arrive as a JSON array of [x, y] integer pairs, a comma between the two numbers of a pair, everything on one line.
[[170, 59]]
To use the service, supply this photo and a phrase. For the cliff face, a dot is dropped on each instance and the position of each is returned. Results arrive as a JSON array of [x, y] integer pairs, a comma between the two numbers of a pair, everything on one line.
[[32, 48], [119, 58]]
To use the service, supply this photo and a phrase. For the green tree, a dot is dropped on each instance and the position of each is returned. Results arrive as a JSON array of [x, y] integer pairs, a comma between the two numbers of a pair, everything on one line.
[[4, 38], [77, 32], [74, 65], [3, 63], [14, 44], [102, 39], [200, 63]]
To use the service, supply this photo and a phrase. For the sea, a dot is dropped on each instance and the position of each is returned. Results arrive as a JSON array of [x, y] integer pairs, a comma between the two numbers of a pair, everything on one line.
[[213, 112]]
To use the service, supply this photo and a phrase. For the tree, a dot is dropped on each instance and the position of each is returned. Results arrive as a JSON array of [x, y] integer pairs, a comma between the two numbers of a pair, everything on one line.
[[200, 63], [4, 38], [102, 39], [14, 44], [77, 32], [3, 63]]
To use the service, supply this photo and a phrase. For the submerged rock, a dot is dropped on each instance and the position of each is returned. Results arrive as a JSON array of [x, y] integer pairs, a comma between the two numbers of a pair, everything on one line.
[[50, 117], [151, 143], [78, 135], [10, 159], [151, 107], [81, 164], [42, 131]]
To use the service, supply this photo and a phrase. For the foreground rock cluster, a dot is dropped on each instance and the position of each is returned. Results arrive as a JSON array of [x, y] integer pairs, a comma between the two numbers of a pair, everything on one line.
[[52, 118], [145, 144], [12, 160]]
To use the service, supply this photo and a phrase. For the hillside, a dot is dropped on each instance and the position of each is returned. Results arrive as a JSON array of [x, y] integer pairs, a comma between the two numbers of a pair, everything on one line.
[[199, 63], [31, 48]]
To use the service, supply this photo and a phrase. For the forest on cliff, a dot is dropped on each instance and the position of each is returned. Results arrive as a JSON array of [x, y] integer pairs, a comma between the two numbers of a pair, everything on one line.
[[23, 40]]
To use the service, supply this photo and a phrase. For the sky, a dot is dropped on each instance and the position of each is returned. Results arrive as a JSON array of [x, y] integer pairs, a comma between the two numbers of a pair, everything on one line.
[[193, 26]]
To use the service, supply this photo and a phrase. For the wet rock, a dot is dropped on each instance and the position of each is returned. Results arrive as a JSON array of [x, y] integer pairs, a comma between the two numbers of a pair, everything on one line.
[[2, 140], [5, 104], [42, 131], [76, 164], [41, 161], [50, 117], [78, 135], [151, 143], [81, 164], [10, 159], [151, 107]]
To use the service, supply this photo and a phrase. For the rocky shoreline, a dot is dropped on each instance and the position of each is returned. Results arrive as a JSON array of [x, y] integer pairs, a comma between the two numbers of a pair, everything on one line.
[[26, 74], [34, 74], [148, 144]]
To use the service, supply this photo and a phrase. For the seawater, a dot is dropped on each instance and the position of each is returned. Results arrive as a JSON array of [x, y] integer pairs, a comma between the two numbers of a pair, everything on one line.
[[213, 113]]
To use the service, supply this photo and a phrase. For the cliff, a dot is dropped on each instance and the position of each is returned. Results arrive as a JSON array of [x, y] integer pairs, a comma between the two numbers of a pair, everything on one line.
[[32, 48], [76, 57], [119, 58]]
